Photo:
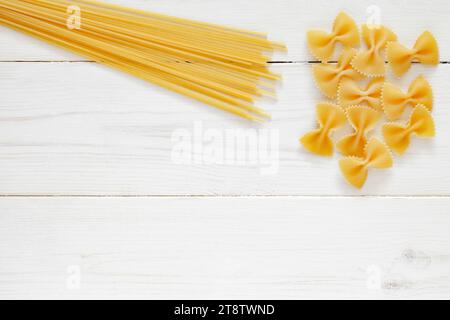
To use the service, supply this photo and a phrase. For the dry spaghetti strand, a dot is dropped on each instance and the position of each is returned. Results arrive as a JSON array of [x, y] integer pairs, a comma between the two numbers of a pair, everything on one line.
[[220, 66]]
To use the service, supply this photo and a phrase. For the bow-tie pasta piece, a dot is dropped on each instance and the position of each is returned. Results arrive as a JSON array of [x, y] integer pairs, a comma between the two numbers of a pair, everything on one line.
[[355, 169], [425, 51], [371, 61], [322, 44], [328, 76], [362, 119], [398, 136], [395, 101], [351, 94], [330, 117]]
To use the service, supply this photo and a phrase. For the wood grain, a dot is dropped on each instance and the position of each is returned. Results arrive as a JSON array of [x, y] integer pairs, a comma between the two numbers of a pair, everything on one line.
[[284, 20], [88, 182], [82, 129], [197, 248]]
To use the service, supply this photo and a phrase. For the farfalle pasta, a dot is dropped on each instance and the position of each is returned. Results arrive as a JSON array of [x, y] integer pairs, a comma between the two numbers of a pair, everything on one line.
[[351, 94], [328, 76], [330, 117], [362, 119], [371, 62], [322, 44], [425, 51], [376, 155], [362, 104], [398, 136], [395, 101]]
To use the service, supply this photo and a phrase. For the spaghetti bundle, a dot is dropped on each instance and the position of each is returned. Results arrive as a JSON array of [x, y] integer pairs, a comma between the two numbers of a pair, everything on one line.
[[220, 66]]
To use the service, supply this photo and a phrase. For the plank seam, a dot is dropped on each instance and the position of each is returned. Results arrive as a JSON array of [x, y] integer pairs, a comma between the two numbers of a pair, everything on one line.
[[224, 196]]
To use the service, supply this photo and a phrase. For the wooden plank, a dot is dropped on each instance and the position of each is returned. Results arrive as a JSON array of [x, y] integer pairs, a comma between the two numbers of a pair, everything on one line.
[[285, 20], [82, 129], [199, 248]]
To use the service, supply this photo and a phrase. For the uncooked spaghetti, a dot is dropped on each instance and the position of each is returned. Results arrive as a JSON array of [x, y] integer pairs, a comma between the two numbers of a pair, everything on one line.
[[221, 66]]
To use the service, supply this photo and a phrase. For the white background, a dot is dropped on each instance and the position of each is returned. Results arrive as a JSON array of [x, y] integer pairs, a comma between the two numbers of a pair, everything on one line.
[[89, 191]]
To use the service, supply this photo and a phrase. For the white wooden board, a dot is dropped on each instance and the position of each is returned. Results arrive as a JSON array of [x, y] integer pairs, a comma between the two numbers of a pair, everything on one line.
[[224, 248]]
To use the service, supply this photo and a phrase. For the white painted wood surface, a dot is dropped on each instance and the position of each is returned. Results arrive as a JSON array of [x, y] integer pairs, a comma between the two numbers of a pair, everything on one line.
[[80, 128], [240, 248], [86, 171]]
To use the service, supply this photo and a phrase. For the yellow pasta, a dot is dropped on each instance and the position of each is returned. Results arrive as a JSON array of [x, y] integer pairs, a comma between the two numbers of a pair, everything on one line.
[[322, 43], [425, 51], [398, 136], [328, 76], [395, 101], [355, 169], [363, 104], [351, 94], [330, 117], [371, 62], [220, 66], [362, 119]]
